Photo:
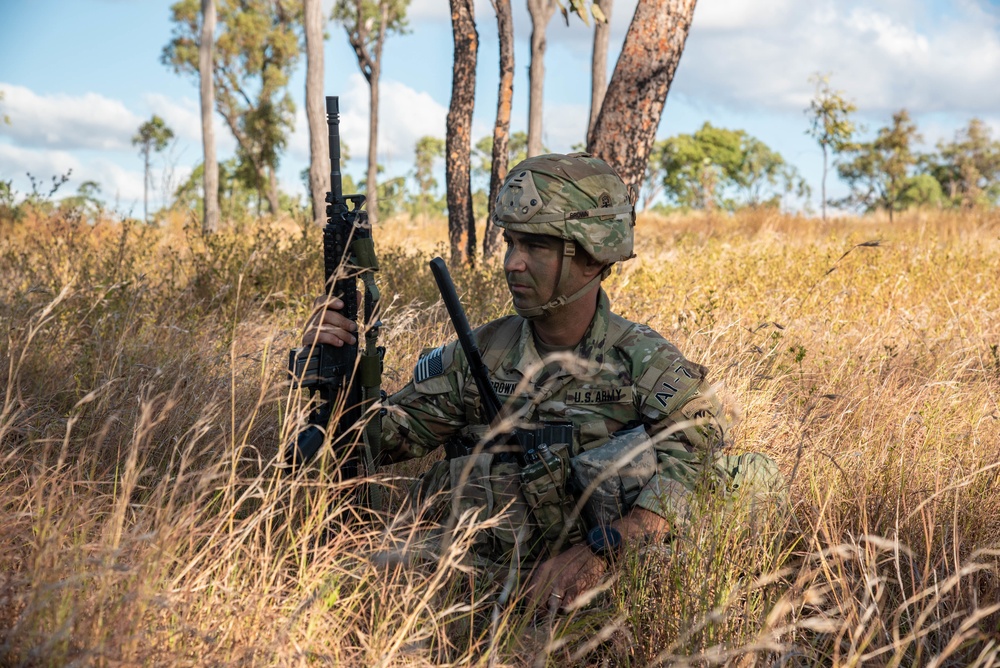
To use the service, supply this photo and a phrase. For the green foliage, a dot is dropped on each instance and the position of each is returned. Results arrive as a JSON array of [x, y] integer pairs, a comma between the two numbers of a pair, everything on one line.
[[427, 152], [482, 154], [153, 136], [921, 190], [968, 167], [256, 50], [86, 202], [878, 172], [40, 201], [830, 123], [652, 182], [237, 199], [830, 117], [367, 23], [727, 169], [391, 195]]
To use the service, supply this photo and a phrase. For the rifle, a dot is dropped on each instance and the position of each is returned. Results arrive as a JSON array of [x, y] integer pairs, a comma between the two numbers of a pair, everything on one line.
[[348, 380]]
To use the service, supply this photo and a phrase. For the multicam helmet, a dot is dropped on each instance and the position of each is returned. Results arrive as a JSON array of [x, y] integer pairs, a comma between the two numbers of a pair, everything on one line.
[[576, 197]]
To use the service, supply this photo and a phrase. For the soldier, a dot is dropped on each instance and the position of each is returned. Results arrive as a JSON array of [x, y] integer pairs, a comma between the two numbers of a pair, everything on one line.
[[647, 426]]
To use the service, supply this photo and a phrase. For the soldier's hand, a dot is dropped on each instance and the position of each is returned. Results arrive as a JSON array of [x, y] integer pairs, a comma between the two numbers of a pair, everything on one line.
[[328, 325], [557, 582]]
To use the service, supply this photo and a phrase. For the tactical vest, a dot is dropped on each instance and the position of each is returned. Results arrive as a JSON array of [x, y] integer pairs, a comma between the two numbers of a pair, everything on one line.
[[536, 508]]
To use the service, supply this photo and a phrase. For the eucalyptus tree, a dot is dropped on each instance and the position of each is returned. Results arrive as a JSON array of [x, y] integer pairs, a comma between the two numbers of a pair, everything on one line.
[[625, 129], [968, 167], [458, 141], [721, 168], [368, 23], [599, 58], [153, 136], [256, 49], [501, 129], [880, 172], [830, 124], [319, 157], [541, 12], [210, 181], [426, 153]]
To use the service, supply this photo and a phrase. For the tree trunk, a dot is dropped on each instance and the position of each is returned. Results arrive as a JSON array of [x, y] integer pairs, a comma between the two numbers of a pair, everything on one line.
[[210, 206], [145, 185], [273, 201], [319, 158], [823, 184], [501, 130], [541, 12], [371, 181], [458, 144], [599, 62], [626, 127]]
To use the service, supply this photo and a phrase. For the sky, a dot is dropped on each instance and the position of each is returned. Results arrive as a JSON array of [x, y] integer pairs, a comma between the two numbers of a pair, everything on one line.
[[78, 77]]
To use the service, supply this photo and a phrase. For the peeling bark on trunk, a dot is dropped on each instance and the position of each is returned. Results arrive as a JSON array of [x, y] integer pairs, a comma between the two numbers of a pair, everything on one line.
[[319, 158], [210, 208], [626, 127], [458, 145], [599, 62], [541, 12], [501, 130]]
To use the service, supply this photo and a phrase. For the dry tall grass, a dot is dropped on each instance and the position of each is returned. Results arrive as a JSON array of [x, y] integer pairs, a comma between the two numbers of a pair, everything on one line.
[[143, 406]]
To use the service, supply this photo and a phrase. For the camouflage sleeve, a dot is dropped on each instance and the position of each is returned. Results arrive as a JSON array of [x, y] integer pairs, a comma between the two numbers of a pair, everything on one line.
[[688, 425], [429, 409]]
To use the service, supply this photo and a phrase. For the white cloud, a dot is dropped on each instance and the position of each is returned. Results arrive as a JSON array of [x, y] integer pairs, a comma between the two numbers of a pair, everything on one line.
[[118, 185], [66, 121], [405, 115], [739, 14], [565, 125], [898, 55], [182, 116], [42, 164], [439, 11]]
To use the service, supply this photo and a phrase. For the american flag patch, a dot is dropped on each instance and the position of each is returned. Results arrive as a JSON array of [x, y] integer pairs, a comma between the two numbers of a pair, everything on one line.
[[430, 365]]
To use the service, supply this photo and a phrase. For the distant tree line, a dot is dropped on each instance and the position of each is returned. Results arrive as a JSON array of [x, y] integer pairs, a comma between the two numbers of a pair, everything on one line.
[[243, 51], [888, 173]]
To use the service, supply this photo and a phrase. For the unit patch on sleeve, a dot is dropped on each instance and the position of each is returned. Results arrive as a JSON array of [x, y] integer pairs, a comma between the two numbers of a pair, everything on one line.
[[430, 365]]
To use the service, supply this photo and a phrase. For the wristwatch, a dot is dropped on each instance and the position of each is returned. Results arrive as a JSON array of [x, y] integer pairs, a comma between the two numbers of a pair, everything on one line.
[[604, 541]]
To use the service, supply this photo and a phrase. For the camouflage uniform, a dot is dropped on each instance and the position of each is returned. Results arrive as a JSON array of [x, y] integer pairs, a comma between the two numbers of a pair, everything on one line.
[[620, 376], [627, 375]]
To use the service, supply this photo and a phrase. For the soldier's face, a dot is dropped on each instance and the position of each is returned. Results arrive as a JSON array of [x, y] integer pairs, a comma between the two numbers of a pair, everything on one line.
[[532, 265]]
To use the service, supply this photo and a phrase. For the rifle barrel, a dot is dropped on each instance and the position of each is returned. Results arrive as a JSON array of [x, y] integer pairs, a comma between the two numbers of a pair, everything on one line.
[[333, 126]]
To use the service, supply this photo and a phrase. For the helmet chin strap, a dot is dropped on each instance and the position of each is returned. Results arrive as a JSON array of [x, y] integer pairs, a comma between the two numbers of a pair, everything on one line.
[[559, 300]]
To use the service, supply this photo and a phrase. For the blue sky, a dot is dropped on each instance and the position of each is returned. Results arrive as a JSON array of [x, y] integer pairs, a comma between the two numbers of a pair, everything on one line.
[[79, 77]]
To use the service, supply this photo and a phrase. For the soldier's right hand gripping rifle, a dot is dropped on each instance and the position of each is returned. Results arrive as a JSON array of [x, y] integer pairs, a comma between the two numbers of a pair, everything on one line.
[[348, 380]]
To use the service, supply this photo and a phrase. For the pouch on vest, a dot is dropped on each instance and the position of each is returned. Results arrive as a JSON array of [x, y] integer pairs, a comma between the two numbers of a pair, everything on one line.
[[610, 477], [545, 485]]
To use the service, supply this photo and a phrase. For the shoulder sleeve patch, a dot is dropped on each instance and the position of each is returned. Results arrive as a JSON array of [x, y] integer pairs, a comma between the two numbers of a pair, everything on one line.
[[430, 365], [663, 390]]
